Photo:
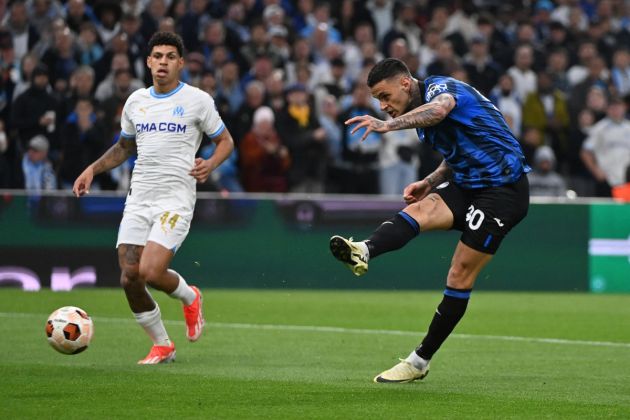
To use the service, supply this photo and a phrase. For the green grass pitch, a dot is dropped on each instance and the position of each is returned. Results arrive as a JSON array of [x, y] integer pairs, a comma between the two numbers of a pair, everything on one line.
[[312, 354]]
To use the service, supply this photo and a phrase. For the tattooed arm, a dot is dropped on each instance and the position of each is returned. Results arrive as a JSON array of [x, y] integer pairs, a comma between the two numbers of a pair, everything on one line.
[[112, 158], [418, 190], [425, 115], [441, 174], [115, 155]]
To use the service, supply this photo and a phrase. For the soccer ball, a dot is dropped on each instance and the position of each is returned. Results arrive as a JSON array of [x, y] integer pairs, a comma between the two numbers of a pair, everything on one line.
[[69, 330]]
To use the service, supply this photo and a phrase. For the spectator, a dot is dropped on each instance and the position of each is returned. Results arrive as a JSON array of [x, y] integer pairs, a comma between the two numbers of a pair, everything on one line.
[[90, 49], [81, 87], [606, 151], [229, 86], [154, 12], [78, 14], [580, 178], [23, 34], [382, 12], [108, 13], [275, 87], [135, 7], [62, 59], [301, 56], [112, 106], [362, 33], [235, 21], [530, 141], [264, 159], [321, 16], [397, 48], [136, 43], [329, 121], [445, 61], [34, 112], [620, 72], [504, 97], [497, 41], [28, 64], [216, 35], [262, 68], [257, 45], [544, 180], [483, 72], [83, 140], [526, 35], [448, 31], [560, 39], [192, 22], [37, 169], [254, 99], [361, 158], [299, 130], [579, 71], [546, 110], [596, 102], [279, 47], [428, 50], [42, 13], [521, 72], [405, 26], [106, 88], [335, 81], [194, 67], [8, 70], [557, 64], [351, 14]]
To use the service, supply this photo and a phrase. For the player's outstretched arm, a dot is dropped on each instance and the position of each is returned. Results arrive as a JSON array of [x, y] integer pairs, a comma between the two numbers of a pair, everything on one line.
[[416, 191], [113, 157], [202, 169], [426, 115]]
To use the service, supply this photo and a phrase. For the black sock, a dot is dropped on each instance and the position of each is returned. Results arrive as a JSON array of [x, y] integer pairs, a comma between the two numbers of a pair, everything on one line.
[[448, 314], [392, 234]]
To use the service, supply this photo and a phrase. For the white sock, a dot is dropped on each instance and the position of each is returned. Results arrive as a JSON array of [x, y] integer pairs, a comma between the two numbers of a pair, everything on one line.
[[152, 323], [364, 248], [183, 291], [416, 361]]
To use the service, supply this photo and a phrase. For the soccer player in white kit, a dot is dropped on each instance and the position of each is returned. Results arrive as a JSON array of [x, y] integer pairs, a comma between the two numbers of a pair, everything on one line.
[[165, 125]]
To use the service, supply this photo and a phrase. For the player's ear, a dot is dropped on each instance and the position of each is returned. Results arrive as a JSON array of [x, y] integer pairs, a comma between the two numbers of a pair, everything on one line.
[[406, 84]]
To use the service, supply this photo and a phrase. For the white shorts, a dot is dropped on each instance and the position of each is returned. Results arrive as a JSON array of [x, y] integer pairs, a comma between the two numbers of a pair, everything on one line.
[[154, 216]]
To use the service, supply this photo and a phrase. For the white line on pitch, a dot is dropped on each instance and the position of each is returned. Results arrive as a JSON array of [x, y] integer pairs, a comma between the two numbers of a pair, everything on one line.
[[315, 328]]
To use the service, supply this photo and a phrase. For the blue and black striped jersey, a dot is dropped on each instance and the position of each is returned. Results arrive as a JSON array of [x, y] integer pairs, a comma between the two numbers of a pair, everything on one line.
[[474, 138]]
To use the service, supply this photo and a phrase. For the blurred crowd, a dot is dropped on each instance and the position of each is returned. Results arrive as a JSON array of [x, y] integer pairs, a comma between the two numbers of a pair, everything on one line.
[[286, 74]]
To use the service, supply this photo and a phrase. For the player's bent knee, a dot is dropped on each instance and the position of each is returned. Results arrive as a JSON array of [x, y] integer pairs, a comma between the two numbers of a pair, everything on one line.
[[150, 274], [129, 274]]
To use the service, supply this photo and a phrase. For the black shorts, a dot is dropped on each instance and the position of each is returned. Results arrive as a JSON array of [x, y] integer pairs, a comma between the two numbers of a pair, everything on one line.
[[486, 215]]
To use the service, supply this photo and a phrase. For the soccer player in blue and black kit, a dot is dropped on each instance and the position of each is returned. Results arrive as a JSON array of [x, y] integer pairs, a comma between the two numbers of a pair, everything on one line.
[[480, 188]]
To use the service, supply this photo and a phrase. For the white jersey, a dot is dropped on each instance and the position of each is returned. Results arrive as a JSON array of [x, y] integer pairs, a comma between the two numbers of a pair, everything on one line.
[[168, 129]]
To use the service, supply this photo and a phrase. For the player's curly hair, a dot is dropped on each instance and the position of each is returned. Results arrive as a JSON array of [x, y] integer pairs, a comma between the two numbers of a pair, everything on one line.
[[167, 38], [385, 69]]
